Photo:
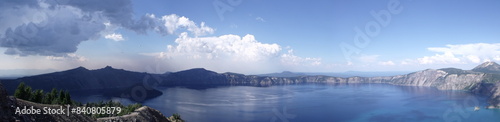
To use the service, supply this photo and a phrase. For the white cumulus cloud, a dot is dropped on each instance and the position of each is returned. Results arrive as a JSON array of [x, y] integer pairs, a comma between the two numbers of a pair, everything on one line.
[[230, 53], [463, 53], [173, 22], [291, 59], [231, 47], [114, 36], [169, 24]]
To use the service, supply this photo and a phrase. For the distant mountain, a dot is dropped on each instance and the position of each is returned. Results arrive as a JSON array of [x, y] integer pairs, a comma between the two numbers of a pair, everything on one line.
[[107, 81], [488, 67], [284, 74]]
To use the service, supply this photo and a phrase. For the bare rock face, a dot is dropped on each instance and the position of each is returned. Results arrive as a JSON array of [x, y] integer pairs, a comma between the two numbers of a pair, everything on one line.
[[489, 89], [460, 81], [495, 95], [429, 77], [441, 79]]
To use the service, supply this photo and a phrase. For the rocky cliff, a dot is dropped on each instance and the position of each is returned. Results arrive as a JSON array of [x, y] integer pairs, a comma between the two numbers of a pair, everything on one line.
[[441, 78], [482, 80]]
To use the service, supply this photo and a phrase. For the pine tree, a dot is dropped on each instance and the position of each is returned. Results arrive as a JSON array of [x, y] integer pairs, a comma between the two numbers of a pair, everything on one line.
[[45, 99], [67, 98], [37, 96], [20, 91], [54, 95], [61, 97], [28, 94], [49, 97]]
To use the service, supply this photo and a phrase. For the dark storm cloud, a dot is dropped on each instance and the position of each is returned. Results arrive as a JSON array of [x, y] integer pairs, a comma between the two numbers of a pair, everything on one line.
[[116, 11], [53, 28], [57, 27], [60, 35]]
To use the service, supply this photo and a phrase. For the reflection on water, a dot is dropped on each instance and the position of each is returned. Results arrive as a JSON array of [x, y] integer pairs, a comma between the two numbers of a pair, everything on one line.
[[332, 102]]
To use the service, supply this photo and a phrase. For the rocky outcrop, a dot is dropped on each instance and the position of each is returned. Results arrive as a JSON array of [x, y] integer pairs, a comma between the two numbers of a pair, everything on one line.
[[6, 106], [440, 79]]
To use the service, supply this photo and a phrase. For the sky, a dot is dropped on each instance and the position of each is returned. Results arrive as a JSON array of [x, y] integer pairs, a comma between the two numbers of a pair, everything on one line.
[[248, 36]]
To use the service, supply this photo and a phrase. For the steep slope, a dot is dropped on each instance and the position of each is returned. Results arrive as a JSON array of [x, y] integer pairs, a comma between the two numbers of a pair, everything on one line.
[[443, 79]]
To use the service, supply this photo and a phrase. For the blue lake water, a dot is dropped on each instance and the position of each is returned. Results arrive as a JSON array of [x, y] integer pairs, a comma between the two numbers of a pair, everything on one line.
[[339, 102]]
